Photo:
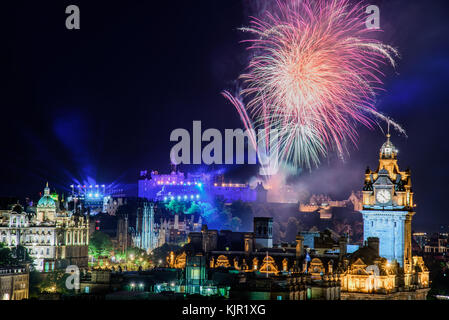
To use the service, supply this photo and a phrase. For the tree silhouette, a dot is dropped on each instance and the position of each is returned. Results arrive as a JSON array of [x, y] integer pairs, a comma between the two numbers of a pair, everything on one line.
[[100, 245]]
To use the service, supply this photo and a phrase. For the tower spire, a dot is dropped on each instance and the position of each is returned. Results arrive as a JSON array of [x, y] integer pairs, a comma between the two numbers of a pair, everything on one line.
[[46, 190], [388, 130]]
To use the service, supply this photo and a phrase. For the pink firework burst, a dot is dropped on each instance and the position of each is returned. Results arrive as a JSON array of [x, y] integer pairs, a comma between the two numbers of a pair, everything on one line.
[[313, 76]]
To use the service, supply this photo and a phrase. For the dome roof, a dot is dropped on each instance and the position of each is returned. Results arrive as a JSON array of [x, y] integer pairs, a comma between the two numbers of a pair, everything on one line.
[[388, 150], [46, 200]]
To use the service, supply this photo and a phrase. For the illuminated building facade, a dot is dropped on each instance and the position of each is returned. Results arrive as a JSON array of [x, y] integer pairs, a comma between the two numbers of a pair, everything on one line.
[[53, 236], [146, 237], [151, 232], [14, 283], [323, 204], [175, 229], [195, 187], [388, 207], [433, 244], [293, 272], [263, 232], [254, 268], [385, 268]]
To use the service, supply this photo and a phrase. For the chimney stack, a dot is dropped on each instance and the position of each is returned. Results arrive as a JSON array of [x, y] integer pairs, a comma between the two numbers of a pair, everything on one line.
[[373, 242], [299, 246], [342, 243], [263, 232]]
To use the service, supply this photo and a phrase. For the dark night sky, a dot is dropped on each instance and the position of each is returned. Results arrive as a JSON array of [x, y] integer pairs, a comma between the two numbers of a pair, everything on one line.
[[99, 103]]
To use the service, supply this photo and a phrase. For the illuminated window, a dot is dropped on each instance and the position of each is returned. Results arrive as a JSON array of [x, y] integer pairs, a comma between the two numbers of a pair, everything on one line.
[[195, 274]]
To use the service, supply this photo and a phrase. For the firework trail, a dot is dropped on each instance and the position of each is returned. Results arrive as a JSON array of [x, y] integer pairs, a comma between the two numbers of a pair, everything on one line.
[[313, 77]]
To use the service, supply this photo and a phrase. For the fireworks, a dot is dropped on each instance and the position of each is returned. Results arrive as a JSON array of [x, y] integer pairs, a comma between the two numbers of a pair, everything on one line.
[[313, 77]]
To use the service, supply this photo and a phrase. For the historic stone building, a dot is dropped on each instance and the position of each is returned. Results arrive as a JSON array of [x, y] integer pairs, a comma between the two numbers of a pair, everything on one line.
[[264, 272], [324, 205], [53, 236], [175, 229], [14, 283], [388, 207], [385, 267]]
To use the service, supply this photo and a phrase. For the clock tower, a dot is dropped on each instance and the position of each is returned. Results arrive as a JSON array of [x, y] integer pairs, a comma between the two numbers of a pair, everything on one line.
[[388, 207]]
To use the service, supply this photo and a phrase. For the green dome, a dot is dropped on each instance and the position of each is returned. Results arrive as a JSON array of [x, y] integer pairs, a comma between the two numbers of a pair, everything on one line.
[[46, 200]]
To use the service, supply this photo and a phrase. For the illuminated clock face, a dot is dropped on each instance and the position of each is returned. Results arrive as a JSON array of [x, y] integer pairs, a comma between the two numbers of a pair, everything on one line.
[[383, 196]]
